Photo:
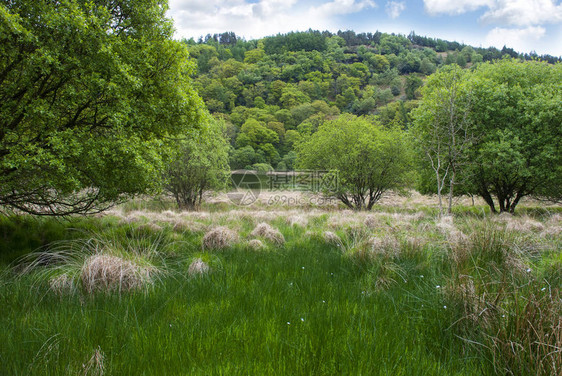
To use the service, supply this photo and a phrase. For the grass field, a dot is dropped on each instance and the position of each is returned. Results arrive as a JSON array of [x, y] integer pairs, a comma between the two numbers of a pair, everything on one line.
[[302, 291]]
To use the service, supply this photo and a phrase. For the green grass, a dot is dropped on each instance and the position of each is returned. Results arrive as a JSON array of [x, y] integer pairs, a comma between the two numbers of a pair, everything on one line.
[[304, 308]]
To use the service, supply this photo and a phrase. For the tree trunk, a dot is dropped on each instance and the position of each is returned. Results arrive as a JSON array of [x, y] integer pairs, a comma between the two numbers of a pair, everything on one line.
[[439, 188], [451, 187], [518, 197], [489, 200]]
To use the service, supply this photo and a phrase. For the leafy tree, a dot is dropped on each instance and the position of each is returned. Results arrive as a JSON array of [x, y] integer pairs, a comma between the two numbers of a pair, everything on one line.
[[292, 97], [289, 161], [396, 86], [199, 164], [368, 159], [517, 115], [378, 63], [427, 67], [91, 93], [364, 106], [443, 128], [255, 55], [255, 134], [243, 157], [413, 83]]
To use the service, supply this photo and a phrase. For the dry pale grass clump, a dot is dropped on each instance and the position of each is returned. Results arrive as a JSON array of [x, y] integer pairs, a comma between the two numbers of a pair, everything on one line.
[[136, 216], [198, 267], [150, 226], [61, 284], [232, 216], [416, 242], [408, 218], [455, 238], [445, 224], [372, 221], [386, 274], [267, 216], [256, 244], [201, 216], [344, 219], [387, 246], [332, 238], [524, 225], [188, 226], [297, 220], [552, 231], [105, 272], [267, 232], [169, 214], [220, 238], [95, 366], [475, 308]]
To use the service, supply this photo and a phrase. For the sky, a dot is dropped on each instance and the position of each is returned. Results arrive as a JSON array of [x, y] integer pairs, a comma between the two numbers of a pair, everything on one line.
[[524, 25]]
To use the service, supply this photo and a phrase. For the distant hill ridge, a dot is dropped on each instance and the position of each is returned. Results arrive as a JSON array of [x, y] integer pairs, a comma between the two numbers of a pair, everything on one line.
[[272, 92]]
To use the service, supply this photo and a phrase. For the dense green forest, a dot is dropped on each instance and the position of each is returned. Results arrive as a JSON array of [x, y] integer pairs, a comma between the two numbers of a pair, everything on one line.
[[273, 92]]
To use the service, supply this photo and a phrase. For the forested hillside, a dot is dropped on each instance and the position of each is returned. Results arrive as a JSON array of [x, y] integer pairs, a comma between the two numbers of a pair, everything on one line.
[[274, 91]]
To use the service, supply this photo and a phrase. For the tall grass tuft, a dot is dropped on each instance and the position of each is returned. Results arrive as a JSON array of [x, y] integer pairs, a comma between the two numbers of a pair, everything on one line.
[[505, 311], [268, 233], [100, 263], [95, 366], [220, 238]]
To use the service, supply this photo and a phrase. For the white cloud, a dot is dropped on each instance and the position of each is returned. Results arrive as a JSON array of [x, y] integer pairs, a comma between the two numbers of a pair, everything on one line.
[[395, 8], [521, 40], [454, 7], [524, 12], [339, 7], [271, 7], [194, 18], [505, 12]]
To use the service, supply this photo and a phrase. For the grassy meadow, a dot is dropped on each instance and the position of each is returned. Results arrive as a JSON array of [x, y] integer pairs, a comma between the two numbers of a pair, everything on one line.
[[277, 290]]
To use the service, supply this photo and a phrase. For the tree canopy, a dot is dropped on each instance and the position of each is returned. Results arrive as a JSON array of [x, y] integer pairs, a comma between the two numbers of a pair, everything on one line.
[[199, 164], [91, 95], [368, 158], [276, 78], [510, 113], [517, 116], [443, 128]]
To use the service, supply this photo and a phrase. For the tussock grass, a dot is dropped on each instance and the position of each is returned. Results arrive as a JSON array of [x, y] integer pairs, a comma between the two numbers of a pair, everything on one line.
[[267, 232], [106, 273], [96, 264], [95, 365], [198, 267], [332, 238], [220, 238], [256, 244]]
